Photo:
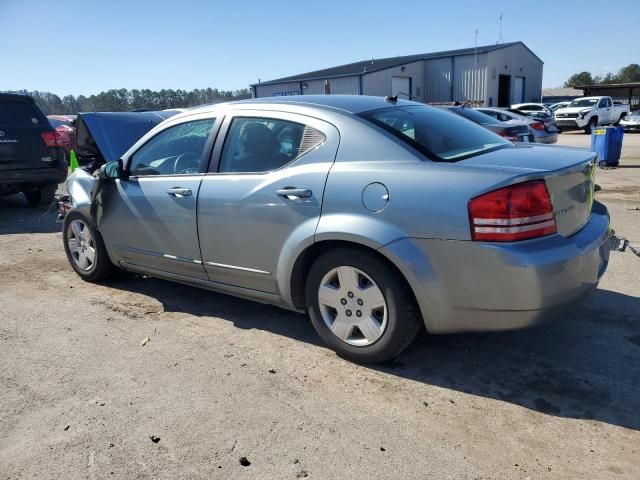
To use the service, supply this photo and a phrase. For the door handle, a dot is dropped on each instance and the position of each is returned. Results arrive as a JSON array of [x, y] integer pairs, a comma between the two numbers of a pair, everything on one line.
[[292, 193], [179, 192]]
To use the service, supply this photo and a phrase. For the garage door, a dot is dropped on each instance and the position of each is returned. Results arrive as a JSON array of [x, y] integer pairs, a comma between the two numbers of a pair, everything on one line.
[[402, 86], [518, 90]]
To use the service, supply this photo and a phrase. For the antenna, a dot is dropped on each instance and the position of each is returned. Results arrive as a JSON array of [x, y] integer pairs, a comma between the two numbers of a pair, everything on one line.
[[500, 40]]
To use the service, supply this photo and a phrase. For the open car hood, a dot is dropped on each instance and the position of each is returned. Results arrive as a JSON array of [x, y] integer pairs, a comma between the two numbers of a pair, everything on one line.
[[105, 136]]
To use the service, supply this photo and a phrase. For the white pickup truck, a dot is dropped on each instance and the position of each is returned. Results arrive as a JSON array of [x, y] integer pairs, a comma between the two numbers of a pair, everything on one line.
[[588, 112]]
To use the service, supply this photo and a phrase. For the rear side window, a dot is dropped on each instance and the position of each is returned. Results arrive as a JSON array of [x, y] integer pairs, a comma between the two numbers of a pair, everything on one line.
[[256, 145], [19, 113], [438, 134]]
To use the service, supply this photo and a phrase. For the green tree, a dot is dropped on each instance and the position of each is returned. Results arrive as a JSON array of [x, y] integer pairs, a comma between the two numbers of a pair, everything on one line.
[[630, 73], [582, 78]]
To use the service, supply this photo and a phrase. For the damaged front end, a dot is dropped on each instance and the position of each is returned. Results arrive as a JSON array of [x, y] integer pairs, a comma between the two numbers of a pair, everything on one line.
[[80, 191], [101, 138]]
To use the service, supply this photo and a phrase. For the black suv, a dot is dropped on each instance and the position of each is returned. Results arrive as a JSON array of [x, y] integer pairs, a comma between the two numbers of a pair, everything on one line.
[[32, 158]]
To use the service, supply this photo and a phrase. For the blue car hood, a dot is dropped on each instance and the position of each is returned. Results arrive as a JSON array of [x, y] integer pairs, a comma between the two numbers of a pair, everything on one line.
[[110, 134]]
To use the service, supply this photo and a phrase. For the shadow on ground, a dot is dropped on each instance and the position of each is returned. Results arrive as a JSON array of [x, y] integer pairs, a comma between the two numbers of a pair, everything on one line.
[[17, 216], [585, 365]]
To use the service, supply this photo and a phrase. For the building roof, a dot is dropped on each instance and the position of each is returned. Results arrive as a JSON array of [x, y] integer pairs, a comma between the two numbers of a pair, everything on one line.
[[375, 64], [561, 92], [609, 86]]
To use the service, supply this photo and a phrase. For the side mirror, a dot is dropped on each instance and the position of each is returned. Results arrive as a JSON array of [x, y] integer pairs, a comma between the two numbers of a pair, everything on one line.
[[112, 170]]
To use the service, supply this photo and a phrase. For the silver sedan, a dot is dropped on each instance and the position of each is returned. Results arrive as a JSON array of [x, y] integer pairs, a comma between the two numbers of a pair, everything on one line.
[[378, 217]]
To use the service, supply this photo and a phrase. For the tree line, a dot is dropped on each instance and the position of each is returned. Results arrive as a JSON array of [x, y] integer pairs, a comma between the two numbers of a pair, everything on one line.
[[123, 100], [630, 73]]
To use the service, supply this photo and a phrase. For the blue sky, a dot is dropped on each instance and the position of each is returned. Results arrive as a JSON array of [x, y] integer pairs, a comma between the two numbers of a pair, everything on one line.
[[84, 47]]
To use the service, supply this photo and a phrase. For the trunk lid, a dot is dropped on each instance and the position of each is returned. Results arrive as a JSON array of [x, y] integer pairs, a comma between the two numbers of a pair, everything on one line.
[[21, 126], [568, 173]]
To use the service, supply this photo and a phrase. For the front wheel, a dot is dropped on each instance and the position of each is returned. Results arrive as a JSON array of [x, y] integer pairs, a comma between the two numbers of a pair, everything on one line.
[[85, 249], [359, 306], [593, 123]]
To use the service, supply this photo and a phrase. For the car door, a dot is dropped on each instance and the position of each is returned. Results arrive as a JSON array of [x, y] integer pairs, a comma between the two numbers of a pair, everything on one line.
[[604, 112], [149, 219], [263, 193]]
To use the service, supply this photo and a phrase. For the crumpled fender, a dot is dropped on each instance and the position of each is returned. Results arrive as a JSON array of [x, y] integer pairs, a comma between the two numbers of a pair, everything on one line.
[[80, 186]]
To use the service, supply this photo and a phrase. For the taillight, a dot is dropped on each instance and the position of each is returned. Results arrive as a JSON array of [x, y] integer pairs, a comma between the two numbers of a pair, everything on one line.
[[52, 139], [516, 212], [508, 135], [537, 125]]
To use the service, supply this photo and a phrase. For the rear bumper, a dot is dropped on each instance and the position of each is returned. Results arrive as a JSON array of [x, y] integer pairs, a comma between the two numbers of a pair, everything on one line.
[[548, 137], [479, 286], [33, 177]]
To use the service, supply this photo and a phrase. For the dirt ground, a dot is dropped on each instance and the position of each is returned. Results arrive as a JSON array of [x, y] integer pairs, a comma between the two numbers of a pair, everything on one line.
[[224, 380]]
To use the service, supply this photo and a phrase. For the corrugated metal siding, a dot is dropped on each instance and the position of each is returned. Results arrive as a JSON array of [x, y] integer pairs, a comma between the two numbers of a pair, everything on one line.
[[277, 89], [379, 83], [438, 80], [516, 61], [469, 78], [338, 86]]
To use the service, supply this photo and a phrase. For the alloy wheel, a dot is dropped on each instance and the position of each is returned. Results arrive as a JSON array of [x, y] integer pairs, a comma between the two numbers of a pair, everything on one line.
[[81, 244]]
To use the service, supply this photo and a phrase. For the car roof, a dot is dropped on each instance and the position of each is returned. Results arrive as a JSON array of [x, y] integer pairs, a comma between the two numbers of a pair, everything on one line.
[[15, 96], [346, 103]]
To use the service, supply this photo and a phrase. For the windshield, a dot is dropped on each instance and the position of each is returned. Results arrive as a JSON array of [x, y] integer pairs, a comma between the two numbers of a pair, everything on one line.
[[584, 102], [440, 135]]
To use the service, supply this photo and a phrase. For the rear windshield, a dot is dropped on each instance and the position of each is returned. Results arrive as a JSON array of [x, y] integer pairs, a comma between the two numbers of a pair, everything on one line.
[[474, 115], [440, 135], [16, 112]]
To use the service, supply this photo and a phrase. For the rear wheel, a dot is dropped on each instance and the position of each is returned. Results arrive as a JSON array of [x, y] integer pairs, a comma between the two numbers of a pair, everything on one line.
[[85, 249], [360, 307], [42, 195]]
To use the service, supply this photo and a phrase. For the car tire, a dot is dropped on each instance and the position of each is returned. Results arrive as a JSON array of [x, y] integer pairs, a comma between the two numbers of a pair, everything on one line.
[[344, 289], [85, 249], [593, 123], [43, 195]]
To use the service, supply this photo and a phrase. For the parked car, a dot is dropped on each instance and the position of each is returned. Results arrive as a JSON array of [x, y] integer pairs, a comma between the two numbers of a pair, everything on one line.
[[558, 105], [65, 125], [544, 129], [531, 108], [32, 155], [515, 133], [376, 217], [588, 112], [631, 122]]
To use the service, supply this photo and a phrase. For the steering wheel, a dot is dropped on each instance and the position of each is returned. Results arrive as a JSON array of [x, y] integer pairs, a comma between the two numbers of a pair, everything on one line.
[[187, 162]]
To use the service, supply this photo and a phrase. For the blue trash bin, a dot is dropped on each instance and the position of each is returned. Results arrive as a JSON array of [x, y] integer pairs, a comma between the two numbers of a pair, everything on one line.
[[607, 143]]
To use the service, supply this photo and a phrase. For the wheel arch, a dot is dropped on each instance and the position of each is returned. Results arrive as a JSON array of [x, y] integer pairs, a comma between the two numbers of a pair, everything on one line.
[[306, 258]]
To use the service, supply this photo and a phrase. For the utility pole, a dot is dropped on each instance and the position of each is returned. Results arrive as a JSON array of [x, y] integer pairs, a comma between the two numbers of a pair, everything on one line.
[[500, 40], [475, 52]]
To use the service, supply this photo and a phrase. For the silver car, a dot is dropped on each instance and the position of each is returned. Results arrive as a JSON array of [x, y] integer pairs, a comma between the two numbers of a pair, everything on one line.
[[377, 217], [544, 129]]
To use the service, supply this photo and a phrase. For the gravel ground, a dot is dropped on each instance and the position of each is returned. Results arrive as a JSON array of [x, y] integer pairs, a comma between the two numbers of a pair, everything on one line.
[[227, 388]]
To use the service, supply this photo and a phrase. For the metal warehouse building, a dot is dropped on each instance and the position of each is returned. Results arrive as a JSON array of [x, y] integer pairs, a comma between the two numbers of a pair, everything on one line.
[[492, 75]]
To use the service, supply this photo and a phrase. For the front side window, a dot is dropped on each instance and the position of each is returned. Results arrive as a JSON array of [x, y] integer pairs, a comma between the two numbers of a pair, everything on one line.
[[178, 150], [439, 134], [264, 144]]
